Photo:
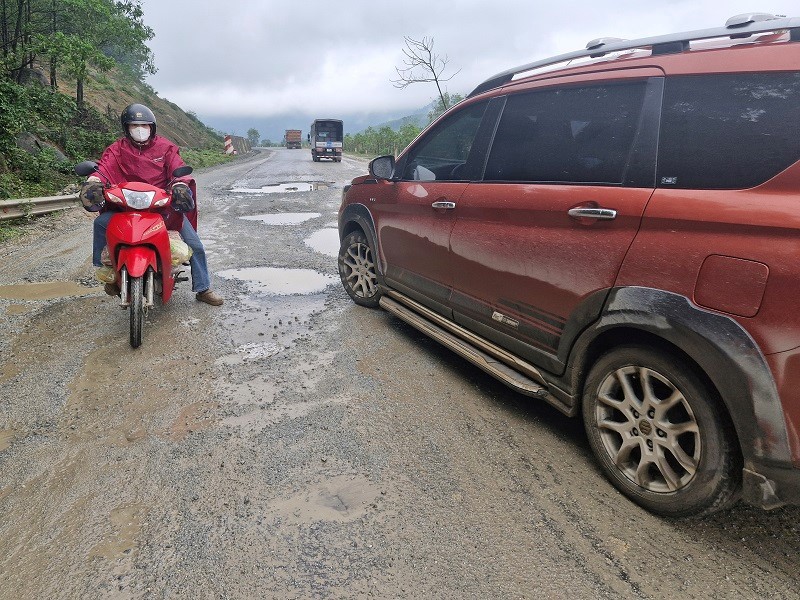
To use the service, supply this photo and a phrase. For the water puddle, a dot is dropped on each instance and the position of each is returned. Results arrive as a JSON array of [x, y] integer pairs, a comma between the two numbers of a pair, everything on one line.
[[278, 188], [18, 309], [125, 522], [49, 290], [282, 218], [281, 282], [325, 241], [256, 351], [6, 438], [266, 413], [342, 498], [191, 419]]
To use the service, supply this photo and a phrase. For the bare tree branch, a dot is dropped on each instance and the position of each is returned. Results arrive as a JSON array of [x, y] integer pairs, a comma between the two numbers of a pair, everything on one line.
[[422, 65]]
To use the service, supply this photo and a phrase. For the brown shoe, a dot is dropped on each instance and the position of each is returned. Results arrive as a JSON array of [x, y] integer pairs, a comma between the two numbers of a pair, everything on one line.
[[112, 289], [210, 297]]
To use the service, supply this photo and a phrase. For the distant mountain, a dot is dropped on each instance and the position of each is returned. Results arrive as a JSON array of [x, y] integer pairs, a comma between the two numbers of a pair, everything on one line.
[[418, 118], [273, 128]]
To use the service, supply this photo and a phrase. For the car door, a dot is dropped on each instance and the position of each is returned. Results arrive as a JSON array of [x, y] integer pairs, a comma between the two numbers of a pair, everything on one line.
[[539, 242], [415, 215]]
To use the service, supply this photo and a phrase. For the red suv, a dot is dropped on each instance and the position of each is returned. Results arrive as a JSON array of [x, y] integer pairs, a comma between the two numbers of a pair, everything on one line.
[[616, 231]]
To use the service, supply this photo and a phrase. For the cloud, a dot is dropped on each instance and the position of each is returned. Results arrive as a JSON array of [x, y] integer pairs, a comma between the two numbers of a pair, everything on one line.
[[278, 57]]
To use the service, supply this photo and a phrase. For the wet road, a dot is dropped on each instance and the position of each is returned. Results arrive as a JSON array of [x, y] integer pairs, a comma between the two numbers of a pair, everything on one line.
[[290, 444]]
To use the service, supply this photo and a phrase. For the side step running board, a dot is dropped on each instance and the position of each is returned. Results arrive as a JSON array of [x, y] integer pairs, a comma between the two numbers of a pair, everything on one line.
[[494, 367]]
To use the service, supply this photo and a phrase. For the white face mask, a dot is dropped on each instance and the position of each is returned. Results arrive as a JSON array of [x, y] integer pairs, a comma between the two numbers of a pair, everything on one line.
[[139, 133]]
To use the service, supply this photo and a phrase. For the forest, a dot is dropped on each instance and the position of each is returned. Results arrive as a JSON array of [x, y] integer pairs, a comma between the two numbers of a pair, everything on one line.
[[55, 54]]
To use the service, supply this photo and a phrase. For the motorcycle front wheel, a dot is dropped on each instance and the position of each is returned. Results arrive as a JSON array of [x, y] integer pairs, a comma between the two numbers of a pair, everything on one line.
[[137, 310]]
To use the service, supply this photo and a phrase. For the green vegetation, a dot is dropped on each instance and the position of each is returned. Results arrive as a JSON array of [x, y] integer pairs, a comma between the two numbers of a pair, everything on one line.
[[204, 158], [386, 140], [375, 142], [67, 69]]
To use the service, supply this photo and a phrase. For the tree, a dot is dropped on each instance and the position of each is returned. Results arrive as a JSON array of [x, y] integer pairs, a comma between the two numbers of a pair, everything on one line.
[[77, 55], [422, 65], [442, 104], [252, 136], [114, 28]]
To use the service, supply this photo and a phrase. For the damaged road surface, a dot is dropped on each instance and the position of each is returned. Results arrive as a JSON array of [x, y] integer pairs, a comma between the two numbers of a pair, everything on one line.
[[291, 444]]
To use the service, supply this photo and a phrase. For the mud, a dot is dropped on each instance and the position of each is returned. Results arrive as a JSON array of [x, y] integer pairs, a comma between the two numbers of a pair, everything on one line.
[[290, 444]]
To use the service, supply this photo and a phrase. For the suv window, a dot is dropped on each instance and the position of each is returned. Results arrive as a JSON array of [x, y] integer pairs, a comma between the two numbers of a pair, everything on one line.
[[442, 154], [728, 131], [578, 135]]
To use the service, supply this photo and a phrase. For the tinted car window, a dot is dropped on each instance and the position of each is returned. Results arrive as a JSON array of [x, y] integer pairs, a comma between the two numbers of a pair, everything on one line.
[[442, 153], [728, 131], [578, 135]]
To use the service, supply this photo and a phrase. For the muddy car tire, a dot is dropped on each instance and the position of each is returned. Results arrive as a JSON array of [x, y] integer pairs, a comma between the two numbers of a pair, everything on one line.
[[358, 270], [660, 434]]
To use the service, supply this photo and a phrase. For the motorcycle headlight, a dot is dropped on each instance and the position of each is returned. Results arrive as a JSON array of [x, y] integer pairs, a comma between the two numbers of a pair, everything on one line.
[[138, 200]]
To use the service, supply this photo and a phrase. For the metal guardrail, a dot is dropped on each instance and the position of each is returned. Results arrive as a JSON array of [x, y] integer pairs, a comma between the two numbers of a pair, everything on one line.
[[14, 209]]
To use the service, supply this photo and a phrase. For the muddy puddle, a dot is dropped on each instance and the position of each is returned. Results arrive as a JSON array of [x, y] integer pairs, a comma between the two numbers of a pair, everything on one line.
[[280, 281], [6, 438], [279, 188], [49, 290], [339, 498], [267, 325], [282, 218], [324, 241]]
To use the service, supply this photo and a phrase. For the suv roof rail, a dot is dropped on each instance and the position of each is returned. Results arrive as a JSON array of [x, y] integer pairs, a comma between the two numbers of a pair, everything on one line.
[[739, 26]]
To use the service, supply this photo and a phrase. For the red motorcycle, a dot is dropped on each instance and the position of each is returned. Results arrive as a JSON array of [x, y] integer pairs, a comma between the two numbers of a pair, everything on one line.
[[139, 244]]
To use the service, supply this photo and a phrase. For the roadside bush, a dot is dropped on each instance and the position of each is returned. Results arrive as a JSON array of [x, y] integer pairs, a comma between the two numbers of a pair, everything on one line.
[[204, 158]]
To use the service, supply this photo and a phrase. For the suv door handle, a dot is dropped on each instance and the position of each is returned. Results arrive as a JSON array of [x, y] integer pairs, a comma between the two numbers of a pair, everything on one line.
[[444, 204], [593, 213]]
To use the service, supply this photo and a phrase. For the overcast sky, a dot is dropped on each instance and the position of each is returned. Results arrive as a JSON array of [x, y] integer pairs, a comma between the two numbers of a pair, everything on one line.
[[268, 58]]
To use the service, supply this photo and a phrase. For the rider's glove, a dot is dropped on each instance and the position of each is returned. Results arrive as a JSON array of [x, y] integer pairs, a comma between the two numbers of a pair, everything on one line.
[[91, 195], [182, 199]]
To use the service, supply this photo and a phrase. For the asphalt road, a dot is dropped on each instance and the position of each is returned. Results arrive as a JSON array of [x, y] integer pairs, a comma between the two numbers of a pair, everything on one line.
[[290, 444]]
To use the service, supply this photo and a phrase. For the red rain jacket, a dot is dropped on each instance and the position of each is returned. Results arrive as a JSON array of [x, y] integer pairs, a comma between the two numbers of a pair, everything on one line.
[[153, 164]]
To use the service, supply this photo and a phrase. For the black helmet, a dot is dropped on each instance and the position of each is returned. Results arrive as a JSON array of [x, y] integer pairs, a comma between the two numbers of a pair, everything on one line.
[[138, 114]]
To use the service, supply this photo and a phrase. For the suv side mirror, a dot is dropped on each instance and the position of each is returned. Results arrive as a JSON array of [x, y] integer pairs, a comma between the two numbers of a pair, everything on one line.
[[382, 167]]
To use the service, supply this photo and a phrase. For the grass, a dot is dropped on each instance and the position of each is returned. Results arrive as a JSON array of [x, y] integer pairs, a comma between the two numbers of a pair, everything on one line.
[[204, 158], [13, 228]]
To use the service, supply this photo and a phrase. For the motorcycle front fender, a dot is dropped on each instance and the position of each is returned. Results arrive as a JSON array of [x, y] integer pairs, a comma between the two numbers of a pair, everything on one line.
[[136, 260]]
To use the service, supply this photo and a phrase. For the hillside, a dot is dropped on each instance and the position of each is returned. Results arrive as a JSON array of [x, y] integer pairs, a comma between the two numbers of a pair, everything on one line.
[[111, 92], [44, 133]]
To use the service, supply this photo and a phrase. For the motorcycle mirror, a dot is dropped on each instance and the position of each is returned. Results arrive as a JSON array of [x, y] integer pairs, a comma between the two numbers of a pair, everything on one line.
[[182, 171], [85, 168]]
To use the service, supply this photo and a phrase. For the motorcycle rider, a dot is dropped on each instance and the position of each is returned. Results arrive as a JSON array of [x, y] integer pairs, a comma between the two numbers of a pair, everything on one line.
[[141, 155]]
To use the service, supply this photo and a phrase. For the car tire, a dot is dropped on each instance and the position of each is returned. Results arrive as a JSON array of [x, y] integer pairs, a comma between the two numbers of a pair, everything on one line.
[[659, 433], [358, 270]]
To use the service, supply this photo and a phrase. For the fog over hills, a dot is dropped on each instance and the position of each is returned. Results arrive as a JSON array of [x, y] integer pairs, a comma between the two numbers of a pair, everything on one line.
[[273, 128]]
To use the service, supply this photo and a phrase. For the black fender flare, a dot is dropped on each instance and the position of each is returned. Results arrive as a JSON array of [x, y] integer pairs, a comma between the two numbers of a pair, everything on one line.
[[358, 216], [719, 345]]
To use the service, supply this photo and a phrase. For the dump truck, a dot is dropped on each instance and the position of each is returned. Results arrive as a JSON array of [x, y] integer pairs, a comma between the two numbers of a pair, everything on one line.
[[292, 138], [326, 139]]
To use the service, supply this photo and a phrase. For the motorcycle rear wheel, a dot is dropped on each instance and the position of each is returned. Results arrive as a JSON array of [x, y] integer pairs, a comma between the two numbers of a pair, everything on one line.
[[137, 310]]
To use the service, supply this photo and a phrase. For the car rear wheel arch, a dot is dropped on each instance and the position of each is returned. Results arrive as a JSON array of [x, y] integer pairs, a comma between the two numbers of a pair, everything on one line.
[[715, 346]]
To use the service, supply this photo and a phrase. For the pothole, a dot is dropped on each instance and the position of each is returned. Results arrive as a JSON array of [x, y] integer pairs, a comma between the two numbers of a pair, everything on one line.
[[281, 282], [45, 291], [340, 498], [324, 241], [280, 188], [282, 218]]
